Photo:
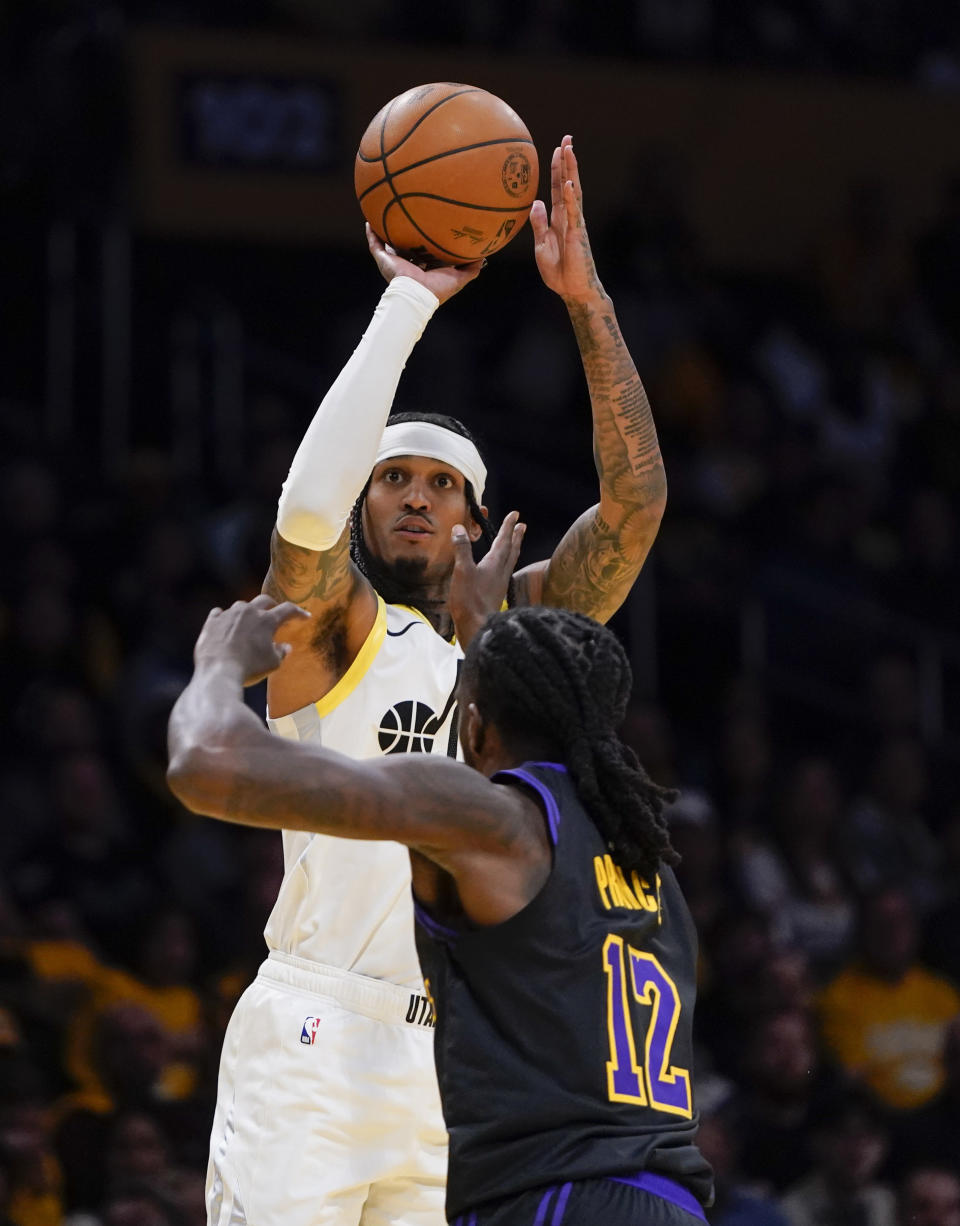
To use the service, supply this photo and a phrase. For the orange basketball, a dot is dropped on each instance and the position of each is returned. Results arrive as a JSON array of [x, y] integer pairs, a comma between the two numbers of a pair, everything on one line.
[[446, 173]]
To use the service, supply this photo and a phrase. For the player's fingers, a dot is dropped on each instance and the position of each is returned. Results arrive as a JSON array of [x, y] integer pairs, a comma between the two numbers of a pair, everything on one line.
[[462, 548], [538, 222], [287, 611], [555, 179], [509, 539], [208, 621], [501, 542], [516, 544], [469, 272], [573, 212], [382, 254], [263, 601], [572, 171]]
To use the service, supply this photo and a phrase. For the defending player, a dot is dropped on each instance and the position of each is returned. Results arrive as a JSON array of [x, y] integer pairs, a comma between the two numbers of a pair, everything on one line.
[[363, 542], [556, 945]]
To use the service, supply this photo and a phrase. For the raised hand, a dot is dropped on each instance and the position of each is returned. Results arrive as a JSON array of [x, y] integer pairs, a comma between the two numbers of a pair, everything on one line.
[[241, 637], [445, 280], [561, 245], [478, 589]]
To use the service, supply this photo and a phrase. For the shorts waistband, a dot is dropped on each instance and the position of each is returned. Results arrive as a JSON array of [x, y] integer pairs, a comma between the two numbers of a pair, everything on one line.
[[667, 1189], [374, 998]]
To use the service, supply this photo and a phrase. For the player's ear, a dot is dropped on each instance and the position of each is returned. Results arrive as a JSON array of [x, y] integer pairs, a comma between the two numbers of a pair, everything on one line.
[[475, 530], [472, 732]]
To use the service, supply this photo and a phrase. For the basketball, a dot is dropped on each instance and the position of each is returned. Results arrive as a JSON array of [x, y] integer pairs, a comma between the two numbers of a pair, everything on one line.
[[446, 173]]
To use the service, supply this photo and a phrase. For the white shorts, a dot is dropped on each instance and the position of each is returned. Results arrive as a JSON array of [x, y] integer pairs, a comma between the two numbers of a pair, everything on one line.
[[327, 1105]]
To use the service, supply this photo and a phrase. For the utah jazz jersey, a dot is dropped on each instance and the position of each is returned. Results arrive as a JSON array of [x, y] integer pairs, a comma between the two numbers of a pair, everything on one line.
[[345, 902], [563, 1042]]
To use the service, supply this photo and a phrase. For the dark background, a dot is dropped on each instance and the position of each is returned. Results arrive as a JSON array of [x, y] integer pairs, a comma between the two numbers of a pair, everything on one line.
[[773, 194]]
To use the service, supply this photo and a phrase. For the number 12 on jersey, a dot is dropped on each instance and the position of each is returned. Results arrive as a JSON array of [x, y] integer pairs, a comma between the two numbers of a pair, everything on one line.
[[656, 1082]]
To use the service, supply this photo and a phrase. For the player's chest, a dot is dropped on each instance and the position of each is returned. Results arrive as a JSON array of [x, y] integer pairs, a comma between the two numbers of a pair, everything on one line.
[[405, 703]]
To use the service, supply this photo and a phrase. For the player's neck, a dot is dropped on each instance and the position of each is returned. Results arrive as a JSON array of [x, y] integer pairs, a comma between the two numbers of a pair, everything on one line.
[[437, 615], [408, 585]]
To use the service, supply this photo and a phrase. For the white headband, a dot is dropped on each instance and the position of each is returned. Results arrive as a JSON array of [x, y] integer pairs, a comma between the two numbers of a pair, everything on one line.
[[436, 443]]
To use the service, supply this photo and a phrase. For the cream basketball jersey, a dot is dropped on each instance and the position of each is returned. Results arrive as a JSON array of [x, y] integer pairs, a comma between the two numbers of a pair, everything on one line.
[[347, 902]]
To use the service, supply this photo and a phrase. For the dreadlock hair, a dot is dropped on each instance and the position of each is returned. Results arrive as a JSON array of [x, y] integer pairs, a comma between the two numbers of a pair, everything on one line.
[[379, 574], [550, 677]]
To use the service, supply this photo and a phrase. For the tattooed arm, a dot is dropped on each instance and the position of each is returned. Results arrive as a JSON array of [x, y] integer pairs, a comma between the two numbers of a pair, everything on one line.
[[310, 556], [599, 558]]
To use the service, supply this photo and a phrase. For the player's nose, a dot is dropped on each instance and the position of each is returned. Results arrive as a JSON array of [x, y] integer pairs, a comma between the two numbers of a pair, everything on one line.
[[417, 496]]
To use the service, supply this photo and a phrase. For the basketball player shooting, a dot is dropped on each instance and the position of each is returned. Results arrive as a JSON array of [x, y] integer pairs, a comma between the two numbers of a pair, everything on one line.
[[328, 1109], [556, 946]]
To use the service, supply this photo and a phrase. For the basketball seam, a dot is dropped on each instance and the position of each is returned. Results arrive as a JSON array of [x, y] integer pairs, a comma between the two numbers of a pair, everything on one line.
[[389, 175], [456, 254], [467, 204], [385, 153]]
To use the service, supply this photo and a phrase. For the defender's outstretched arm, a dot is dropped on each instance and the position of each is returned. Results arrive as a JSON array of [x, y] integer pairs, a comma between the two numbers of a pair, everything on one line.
[[599, 558]]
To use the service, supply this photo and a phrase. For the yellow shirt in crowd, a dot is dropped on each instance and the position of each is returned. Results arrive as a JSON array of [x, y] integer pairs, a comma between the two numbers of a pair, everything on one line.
[[890, 1035]]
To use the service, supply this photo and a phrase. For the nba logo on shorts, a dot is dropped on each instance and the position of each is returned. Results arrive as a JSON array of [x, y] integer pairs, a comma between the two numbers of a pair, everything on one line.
[[309, 1032]]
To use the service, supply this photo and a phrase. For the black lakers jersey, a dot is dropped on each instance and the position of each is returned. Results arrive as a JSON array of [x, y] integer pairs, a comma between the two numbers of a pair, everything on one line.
[[563, 1043]]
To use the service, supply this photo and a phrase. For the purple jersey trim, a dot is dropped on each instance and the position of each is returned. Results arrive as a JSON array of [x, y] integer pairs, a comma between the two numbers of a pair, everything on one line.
[[544, 1206], [550, 766], [434, 929], [667, 1189], [553, 813], [561, 1208]]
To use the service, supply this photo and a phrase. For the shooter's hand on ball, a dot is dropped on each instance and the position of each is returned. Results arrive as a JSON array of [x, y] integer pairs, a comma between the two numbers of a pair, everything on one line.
[[443, 281], [561, 245]]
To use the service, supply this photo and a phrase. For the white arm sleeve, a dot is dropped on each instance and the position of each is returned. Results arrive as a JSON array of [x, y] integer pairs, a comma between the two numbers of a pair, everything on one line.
[[339, 449]]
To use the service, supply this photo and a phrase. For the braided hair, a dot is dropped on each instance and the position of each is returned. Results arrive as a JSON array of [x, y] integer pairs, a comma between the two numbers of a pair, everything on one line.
[[380, 575], [554, 678]]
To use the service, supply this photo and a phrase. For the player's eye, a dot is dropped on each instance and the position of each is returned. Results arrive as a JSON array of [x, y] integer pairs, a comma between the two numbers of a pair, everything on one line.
[[393, 475], [445, 482]]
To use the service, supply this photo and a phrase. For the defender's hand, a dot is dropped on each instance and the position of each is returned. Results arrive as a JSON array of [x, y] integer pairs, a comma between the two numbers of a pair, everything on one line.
[[444, 281], [242, 636], [479, 589], [560, 243]]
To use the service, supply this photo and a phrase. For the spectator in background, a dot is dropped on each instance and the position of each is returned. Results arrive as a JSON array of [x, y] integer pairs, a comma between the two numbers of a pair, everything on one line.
[[736, 1201], [932, 1134], [697, 840], [941, 933], [886, 839], [781, 1077], [850, 1143], [930, 1196], [137, 1209], [743, 791], [163, 988], [92, 858], [130, 1052], [795, 877], [738, 949], [884, 1016], [33, 1173]]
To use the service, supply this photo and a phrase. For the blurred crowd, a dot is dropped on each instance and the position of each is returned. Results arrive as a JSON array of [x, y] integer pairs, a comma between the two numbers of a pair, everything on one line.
[[794, 635], [919, 39]]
